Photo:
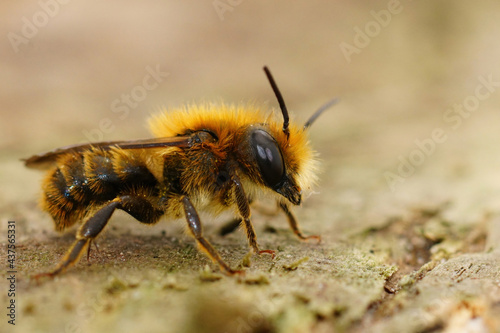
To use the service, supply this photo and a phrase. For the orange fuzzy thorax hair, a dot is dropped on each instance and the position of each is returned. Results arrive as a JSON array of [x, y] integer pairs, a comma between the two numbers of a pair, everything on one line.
[[225, 120]]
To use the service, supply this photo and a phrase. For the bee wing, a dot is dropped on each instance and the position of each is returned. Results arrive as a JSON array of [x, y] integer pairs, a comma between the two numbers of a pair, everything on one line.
[[49, 158]]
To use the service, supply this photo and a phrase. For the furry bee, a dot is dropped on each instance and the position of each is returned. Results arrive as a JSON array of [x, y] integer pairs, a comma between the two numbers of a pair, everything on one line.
[[206, 157]]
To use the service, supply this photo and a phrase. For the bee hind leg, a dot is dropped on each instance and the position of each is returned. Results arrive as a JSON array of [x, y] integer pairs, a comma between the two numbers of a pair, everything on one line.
[[134, 204], [86, 233]]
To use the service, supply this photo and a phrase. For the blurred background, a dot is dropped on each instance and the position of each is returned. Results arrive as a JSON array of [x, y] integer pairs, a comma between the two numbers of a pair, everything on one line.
[[419, 83], [88, 71]]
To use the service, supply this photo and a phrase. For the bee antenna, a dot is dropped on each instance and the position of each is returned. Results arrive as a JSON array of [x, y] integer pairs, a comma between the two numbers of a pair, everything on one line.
[[322, 108], [281, 102]]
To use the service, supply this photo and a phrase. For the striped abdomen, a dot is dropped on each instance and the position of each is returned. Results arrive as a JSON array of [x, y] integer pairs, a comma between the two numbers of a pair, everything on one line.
[[80, 181]]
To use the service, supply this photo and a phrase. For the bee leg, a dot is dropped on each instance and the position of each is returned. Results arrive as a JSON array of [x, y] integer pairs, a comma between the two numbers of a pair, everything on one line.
[[195, 227], [90, 245], [88, 251], [244, 209], [294, 224], [230, 227], [86, 233]]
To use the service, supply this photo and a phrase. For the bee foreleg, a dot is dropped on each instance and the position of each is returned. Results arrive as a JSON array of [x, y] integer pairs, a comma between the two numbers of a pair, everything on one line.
[[294, 224], [244, 209], [195, 227]]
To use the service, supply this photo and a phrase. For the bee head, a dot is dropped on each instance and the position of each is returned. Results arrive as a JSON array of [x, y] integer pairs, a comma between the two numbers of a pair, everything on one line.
[[271, 165], [284, 160]]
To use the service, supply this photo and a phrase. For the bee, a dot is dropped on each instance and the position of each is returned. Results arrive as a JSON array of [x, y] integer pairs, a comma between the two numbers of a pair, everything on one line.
[[209, 158]]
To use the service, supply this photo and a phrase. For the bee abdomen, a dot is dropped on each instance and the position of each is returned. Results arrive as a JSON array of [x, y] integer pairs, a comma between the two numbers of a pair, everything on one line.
[[94, 177], [102, 179], [133, 171], [111, 172], [66, 193]]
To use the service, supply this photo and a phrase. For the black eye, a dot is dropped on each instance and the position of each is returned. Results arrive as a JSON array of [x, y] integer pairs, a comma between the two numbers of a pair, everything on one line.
[[268, 157]]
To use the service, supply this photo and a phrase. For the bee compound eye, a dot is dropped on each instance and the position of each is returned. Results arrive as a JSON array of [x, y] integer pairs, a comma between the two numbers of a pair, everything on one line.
[[268, 156]]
